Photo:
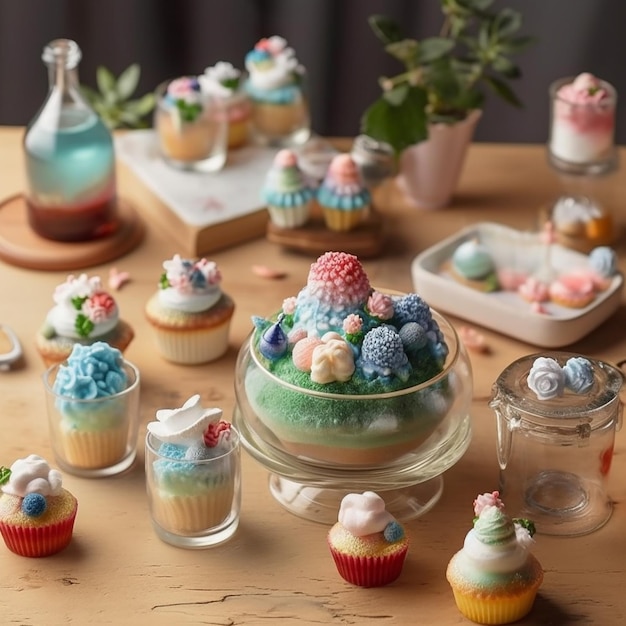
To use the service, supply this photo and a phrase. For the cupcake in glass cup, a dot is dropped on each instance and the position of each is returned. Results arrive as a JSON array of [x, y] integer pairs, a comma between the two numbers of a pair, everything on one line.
[[191, 126], [93, 410], [223, 82], [280, 112]]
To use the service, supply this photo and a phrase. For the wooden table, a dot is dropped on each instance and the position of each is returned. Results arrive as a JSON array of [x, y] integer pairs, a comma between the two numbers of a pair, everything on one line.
[[277, 570]]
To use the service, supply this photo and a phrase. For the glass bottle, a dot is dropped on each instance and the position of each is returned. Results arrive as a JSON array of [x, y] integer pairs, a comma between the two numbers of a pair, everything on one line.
[[70, 159]]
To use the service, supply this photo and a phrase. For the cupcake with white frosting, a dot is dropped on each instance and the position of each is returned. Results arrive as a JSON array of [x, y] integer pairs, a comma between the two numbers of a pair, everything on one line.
[[83, 313], [223, 82], [280, 113], [192, 468], [495, 577], [190, 313], [367, 544], [36, 513]]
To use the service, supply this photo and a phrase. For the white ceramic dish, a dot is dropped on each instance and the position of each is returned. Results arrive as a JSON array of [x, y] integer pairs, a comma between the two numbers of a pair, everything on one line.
[[505, 311]]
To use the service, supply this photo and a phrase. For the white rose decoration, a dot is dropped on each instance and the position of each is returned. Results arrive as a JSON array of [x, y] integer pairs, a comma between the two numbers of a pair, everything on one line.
[[546, 378]]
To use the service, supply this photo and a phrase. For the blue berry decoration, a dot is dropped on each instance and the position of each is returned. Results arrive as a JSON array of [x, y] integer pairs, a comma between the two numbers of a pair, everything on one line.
[[34, 504], [393, 532]]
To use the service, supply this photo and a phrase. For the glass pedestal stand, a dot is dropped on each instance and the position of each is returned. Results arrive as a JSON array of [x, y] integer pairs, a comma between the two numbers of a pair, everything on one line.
[[314, 492]]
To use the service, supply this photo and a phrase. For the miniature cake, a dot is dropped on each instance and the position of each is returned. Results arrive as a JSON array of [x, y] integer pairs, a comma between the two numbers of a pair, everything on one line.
[[36, 513], [286, 192], [83, 313], [93, 408], [495, 577], [349, 375], [190, 313], [473, 265], [223, 82], [188, 130], [367, 544], [344, 199], [279, 110], [193, 469], [583, 120]]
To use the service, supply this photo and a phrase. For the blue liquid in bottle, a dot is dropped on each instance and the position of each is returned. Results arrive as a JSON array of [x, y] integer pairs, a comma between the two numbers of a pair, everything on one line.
[[70, 159]]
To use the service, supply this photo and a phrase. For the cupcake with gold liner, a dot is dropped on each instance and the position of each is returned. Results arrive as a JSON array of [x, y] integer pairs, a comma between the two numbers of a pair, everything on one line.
[[36, 513], [344, 200], [83, 314], [495, 578], [188, 495], [94, 394], [367, 544], [223, 82], [288, 196], [190, 313]]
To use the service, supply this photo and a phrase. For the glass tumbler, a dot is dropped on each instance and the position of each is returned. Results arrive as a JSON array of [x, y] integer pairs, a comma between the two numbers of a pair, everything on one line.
[[191, 126], [555, 454], [194, 502], [95, 437]]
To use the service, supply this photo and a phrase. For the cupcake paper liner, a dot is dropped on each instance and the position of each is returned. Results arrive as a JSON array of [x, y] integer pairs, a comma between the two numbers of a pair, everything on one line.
[[502, 610], [38, 541], [289, 217], [94, 450], [190, 347], [193, 514], [369, 571], [339, 220]]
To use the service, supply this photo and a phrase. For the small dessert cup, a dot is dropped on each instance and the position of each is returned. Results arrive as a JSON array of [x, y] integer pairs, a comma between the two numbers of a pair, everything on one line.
[[191, 126], [194, 502], [94, 437]]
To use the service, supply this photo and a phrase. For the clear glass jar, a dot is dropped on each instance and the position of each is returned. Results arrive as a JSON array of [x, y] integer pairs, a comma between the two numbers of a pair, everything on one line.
[[582, 132], [397, 444], [70, 158], [555, 454]]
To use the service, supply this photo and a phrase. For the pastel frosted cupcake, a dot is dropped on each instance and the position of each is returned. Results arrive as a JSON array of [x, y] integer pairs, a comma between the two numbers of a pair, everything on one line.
[[192, 469], [36, 513], [83, 313], [224, 82], [495, 577], [344, 199], [286, 192], [367, 544], [473, 265], [280, 112], [93, 405], [190, 313]]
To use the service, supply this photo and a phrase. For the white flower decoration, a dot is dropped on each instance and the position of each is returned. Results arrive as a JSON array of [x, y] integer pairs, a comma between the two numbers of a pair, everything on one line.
[[546, 378]]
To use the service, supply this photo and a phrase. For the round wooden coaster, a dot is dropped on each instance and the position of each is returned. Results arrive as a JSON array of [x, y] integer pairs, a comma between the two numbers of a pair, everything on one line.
[[21, 246]]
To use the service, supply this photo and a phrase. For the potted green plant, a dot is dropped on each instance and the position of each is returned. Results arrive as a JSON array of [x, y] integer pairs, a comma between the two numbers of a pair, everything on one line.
[[441, 91]]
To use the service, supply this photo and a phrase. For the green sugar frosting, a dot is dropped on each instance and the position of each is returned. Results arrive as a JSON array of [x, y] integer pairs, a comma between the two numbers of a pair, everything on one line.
[[493, 526]]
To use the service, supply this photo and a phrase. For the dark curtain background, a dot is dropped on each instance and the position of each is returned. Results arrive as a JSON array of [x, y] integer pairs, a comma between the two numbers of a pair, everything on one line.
[[331, 38]]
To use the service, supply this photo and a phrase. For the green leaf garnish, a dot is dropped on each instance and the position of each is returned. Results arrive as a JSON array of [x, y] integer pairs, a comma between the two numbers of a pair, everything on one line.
[[527, 524], [5, 472], [78, 301], [83, 325], [164, 283]]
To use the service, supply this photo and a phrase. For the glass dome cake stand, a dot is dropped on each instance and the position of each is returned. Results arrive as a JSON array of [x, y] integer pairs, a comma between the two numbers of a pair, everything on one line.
[[311, 471]]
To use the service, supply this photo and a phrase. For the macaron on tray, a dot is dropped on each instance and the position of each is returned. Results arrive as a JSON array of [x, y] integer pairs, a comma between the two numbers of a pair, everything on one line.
[[522, 284]]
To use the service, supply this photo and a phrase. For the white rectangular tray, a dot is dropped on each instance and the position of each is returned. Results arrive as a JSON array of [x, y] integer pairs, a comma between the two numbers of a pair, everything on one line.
[[505, 311]]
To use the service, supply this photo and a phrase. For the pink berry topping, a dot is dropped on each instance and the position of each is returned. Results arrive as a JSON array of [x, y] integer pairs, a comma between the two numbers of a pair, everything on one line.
[[487, 499], [215, 432], [343, 170], [285, 158], [338, 278]]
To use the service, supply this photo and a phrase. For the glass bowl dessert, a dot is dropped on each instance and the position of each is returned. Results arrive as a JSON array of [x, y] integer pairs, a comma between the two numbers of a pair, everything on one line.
[[349, 388]]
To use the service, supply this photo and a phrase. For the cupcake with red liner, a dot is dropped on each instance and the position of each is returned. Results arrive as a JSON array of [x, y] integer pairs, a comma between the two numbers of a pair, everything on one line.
[[83, 313], [494, 577], [344, 199], [36, 513], [367, 544], [190, 313], [222, 81], [286, 192]]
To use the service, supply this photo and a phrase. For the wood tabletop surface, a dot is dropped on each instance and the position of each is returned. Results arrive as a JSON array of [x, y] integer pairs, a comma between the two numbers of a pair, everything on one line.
[[277, 569]]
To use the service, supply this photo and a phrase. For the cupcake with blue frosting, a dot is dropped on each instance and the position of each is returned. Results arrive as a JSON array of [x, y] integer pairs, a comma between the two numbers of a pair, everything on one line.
[[286, 192], [91, 396], [280, 113], [344, 199]]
